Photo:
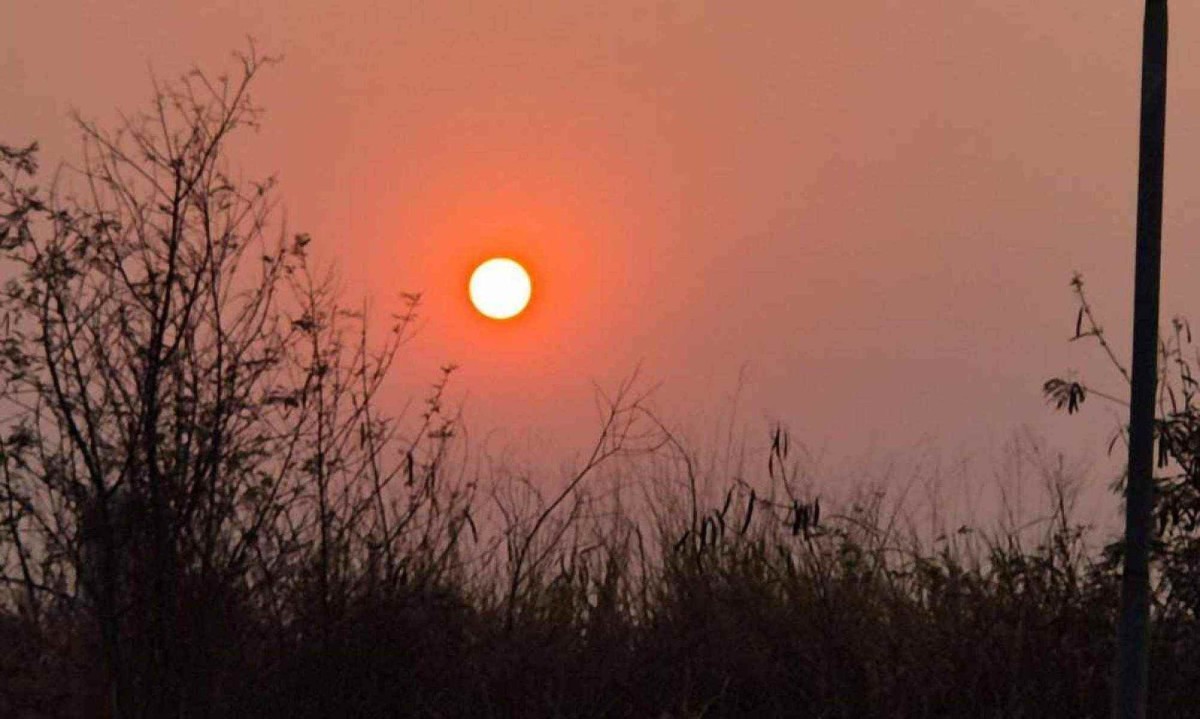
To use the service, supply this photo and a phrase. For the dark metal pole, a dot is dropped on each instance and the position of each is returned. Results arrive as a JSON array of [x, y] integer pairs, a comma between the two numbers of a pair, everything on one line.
[[1133, 630]]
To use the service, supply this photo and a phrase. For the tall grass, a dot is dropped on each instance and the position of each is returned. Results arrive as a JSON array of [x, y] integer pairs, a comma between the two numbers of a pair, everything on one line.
[[633, 593]]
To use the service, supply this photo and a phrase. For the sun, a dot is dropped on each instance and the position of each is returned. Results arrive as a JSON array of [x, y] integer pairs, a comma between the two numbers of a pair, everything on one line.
[[500, 288]]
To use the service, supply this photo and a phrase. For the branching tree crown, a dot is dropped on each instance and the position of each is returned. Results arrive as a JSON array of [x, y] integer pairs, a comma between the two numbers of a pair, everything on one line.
[[188, 432]]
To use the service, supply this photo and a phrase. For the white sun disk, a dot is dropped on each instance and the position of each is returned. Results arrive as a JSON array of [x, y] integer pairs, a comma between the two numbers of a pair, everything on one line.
[[500, 288]]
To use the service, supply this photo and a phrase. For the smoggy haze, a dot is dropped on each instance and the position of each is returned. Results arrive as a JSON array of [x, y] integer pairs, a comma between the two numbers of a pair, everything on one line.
[[874, 208]]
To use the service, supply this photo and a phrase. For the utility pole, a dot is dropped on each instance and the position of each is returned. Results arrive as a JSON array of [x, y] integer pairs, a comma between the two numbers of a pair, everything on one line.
[[1133, 630]]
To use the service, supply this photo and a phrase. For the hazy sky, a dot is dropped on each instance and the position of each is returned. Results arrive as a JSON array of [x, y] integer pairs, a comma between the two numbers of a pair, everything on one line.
[[870, 210]]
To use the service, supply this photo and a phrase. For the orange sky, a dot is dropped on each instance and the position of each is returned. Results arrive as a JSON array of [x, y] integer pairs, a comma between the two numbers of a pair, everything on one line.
[[872, 207]]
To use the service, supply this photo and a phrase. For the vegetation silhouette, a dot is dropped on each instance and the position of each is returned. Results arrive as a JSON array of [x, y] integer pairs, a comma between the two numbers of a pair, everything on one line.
[[205, 513]]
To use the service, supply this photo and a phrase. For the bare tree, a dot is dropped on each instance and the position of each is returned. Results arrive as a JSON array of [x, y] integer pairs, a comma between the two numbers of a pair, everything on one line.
[[190, 443]]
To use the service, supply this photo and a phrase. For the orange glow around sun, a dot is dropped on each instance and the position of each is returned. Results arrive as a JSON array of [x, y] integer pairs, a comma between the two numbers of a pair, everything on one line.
[[500, 288]]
